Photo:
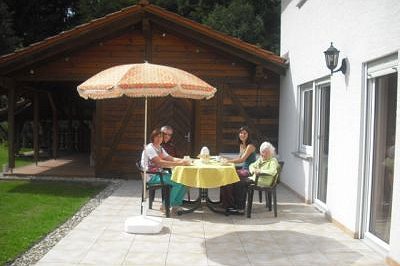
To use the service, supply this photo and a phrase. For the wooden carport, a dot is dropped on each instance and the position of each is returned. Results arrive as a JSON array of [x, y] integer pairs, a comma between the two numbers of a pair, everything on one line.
[[246, 76]]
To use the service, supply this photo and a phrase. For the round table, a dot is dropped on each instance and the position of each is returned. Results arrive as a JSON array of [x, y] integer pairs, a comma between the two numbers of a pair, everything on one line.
[[204, 176]]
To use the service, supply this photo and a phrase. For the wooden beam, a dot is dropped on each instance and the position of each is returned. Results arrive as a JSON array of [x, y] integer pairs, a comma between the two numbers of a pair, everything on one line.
[[36, 127], [6, 82], [70, 137], [238, 104], [220, 115], [17, 144], [55, 126], [147, 33], [117, 137], [98, 156], [11, 127], [259, 74], [197, 125]]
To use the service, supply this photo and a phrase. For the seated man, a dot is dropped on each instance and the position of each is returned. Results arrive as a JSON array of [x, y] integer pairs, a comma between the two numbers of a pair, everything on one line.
[[168, 144]]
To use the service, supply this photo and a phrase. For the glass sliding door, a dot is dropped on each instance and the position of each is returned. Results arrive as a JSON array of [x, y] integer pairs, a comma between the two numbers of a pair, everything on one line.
[[322, 142], [382, 91]]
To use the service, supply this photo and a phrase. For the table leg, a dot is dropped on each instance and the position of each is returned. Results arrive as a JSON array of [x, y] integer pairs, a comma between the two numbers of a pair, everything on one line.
[[214, 205], [196, 204], [203, 197]]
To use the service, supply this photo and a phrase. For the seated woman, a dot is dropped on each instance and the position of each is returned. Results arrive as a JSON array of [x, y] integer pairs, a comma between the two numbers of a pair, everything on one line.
[[155, 158], [233, 196], [266, 166]]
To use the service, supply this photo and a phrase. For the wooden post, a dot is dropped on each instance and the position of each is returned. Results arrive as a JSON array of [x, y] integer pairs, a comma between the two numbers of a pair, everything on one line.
[[148, 57], [70, 132], [55, 126], [197, 125], [147, 32], [220, 117], [17, 134], [99, 139], [11, 127], [36, 127]]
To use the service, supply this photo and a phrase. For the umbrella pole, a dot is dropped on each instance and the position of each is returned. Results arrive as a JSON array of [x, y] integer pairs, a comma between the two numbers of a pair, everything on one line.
[[144, 205], [145, 122], [143, 224]]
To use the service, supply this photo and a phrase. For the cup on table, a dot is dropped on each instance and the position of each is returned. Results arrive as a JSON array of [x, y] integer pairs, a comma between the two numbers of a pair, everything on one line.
[[218, 158], [186, 158]]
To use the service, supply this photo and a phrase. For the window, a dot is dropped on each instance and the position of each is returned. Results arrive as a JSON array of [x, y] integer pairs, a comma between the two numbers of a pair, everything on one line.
[[306, 119]]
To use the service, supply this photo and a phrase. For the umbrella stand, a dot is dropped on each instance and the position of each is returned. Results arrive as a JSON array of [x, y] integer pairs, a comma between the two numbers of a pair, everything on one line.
[[143, 224]]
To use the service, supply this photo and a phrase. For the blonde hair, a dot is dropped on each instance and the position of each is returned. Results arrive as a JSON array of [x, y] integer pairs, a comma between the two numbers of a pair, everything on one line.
[[267, 146]]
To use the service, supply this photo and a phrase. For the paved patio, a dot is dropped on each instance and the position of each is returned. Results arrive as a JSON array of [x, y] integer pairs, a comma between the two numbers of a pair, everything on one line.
[[299, 236], [74, 165]]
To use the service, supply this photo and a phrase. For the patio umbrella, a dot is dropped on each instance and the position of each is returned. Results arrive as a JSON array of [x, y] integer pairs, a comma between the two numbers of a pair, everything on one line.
[[144, 80]]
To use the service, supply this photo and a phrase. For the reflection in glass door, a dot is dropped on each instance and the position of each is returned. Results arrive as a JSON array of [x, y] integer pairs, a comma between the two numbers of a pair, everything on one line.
[[322, 142], [383, 95]]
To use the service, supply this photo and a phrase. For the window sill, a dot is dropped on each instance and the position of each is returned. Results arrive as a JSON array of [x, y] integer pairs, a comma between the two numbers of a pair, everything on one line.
[[302, 155]]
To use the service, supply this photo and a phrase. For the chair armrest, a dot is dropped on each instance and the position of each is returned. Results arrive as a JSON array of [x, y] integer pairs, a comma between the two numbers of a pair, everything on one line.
[[274, 183], [159, 173]]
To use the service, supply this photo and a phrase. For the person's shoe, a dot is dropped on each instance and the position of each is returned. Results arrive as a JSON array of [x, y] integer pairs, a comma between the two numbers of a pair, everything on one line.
[[240, 211], [176, 210], [229, 211], [234, 211]]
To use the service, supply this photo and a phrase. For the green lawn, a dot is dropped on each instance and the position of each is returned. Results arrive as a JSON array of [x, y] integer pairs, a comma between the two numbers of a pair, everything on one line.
[[18, 160], [29, 210]]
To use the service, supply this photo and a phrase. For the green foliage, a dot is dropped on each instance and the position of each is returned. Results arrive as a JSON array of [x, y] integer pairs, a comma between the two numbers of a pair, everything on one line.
[[91, 9], [239, 20], [254, 21], [32, 209], [36, 20], [269, 11], [8, 38]]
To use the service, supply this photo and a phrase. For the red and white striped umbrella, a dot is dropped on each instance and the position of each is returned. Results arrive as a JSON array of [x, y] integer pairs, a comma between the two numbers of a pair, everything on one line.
[[145, 80]]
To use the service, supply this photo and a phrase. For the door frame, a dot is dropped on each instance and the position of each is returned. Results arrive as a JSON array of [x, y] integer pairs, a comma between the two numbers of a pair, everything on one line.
[[380, 67], [318, 87]]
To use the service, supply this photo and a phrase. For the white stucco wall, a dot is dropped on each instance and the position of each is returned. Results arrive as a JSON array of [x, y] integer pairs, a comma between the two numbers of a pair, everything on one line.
[[362, 30]]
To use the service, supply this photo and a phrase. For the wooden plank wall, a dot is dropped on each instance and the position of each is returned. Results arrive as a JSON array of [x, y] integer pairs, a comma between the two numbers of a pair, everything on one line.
[[261, 104], [215, 125], [202, 61], [117, 159], [79, 65]]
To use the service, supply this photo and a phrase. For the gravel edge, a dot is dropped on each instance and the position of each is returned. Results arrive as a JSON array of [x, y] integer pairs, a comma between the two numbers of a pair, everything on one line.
[[38, 250]]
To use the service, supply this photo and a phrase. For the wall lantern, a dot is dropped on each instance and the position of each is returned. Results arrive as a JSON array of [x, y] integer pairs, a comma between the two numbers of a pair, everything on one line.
[[331, 59]]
